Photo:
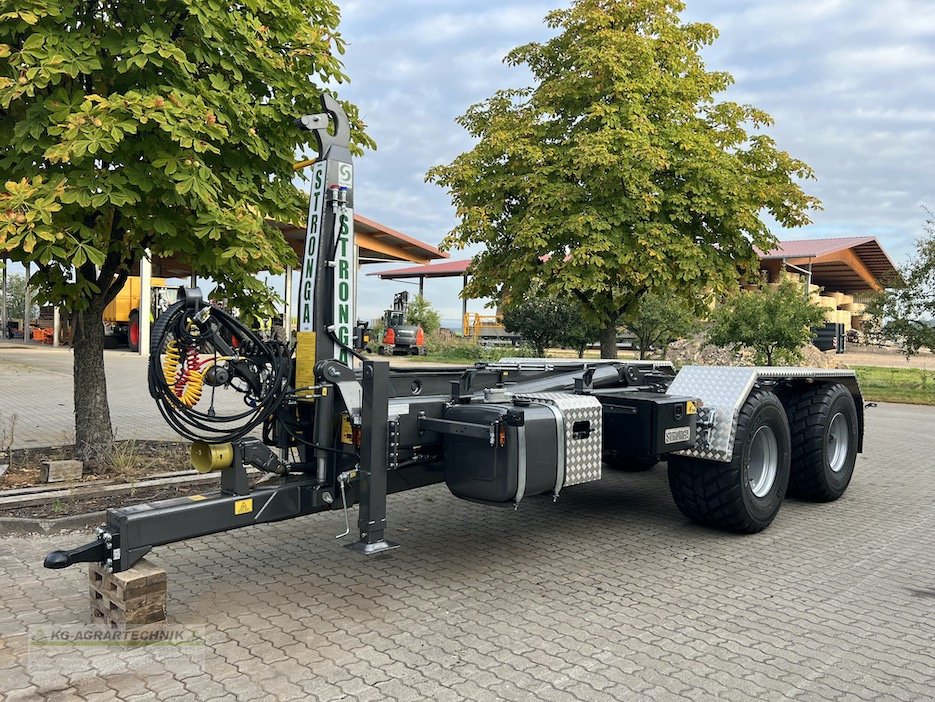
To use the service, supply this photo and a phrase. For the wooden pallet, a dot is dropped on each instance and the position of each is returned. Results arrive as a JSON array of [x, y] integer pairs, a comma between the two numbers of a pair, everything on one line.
[[127, 600]]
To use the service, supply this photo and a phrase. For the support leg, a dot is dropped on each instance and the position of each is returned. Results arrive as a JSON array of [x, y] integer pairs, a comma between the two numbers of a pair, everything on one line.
[[372, 516]]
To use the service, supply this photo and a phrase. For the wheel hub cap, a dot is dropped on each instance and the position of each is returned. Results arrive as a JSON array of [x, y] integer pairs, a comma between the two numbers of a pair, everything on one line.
[[837, 442], [764, 458]]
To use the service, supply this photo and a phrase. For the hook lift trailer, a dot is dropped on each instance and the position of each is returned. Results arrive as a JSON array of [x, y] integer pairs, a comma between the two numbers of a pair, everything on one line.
[[338, 433]]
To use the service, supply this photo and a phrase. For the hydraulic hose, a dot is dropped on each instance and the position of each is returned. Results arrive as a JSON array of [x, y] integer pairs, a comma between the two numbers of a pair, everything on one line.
[[191, 329]]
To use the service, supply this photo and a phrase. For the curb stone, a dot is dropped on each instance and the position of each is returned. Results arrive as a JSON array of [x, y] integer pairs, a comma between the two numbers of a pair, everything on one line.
[[22, 526]]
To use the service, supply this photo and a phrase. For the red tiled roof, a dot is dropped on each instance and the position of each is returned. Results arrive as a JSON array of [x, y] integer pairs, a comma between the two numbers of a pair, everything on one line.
[[448, 269], [813, 248], [408, 248], [866, 248], [397, 238]]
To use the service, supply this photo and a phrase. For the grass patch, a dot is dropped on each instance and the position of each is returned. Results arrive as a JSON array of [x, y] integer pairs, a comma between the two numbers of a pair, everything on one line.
[[456, 349], [915, 386]]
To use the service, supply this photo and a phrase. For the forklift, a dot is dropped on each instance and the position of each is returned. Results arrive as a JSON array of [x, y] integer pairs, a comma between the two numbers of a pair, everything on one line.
[[337, 429]]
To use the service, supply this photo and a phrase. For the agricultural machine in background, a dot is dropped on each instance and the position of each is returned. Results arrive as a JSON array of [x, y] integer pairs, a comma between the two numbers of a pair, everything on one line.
[[331, 429], [399, 336], [121, 317]]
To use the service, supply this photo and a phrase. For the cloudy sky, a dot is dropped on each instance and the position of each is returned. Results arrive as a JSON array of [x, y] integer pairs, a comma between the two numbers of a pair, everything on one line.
[[850, 83]]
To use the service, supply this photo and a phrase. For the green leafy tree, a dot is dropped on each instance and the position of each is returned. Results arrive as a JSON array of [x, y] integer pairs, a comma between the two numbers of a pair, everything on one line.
[[618, 173], [905, 313], [16, 297], [776, 323], [422, 312], [538, 320], [657, 320], [577, 330], [164, 125]]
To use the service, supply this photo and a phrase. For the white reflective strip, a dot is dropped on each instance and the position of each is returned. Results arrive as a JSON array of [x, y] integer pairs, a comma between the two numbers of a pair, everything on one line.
[[520, 463]]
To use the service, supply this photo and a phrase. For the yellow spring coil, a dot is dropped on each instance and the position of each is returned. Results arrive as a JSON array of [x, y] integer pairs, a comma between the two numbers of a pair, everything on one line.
[[170, 365], [194, 381], [186, 382]]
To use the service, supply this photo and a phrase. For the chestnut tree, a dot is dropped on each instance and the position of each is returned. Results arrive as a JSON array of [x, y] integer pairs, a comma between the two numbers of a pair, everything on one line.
[[619, 172], [165, 126]]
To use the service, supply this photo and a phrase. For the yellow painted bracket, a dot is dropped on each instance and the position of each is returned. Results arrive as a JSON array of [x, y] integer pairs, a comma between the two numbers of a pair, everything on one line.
[[305, 363]]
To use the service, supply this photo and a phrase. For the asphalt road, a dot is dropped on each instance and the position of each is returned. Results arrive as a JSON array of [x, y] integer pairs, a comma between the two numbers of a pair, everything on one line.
[[607, 594], [36, 385]]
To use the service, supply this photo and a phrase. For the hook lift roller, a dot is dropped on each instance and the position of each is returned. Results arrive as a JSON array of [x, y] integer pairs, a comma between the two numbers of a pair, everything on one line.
[[338, 429]]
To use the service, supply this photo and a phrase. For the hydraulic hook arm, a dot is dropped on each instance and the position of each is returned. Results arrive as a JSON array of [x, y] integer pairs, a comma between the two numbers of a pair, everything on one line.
[[318, 125]]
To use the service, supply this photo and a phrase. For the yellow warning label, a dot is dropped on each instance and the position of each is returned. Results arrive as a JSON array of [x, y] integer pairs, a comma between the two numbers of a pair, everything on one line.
[[304, 361], [691, 408], [196, 498], [243, 506], [347, 436]]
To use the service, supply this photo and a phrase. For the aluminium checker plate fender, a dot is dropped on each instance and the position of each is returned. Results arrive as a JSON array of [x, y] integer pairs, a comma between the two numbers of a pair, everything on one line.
[[723, 391]]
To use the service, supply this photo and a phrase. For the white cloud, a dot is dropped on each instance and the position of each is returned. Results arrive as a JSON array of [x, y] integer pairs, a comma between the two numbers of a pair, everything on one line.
[[849, 83]]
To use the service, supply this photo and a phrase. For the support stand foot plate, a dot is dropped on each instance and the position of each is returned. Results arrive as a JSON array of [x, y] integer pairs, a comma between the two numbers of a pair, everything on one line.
[[372, 549]]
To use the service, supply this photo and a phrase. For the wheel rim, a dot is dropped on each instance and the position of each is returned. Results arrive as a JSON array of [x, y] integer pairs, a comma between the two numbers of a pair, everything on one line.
[[838, 440], [764, 458], [134, 333]]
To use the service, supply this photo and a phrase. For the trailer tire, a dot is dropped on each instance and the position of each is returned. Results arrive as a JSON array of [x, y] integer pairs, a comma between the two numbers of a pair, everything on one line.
[[824, 443], [133, 331], [744, 495], [629, 463]]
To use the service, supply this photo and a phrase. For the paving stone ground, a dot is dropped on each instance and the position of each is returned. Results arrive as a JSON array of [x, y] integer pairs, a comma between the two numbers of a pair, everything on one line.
[[609, 594], [36, 386]]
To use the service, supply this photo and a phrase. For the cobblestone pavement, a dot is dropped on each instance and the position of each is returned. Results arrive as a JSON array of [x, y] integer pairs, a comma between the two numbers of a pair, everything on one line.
[[36, 386], [608, 594]]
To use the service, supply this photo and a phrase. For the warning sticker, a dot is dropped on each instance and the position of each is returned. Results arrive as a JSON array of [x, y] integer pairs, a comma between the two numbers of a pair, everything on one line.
[[243, 506], [691, 408]]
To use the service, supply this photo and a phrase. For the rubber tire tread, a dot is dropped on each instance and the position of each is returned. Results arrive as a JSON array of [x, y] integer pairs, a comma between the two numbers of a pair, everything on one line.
[[712, 492], [809, 415]]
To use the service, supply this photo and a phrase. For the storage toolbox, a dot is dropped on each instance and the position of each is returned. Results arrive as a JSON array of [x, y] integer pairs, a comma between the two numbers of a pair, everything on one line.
[[648, 423]]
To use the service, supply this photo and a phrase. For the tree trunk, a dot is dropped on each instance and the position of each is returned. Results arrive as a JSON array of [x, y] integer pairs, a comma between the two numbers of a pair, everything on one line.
[[94, 436], [609, 341]]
